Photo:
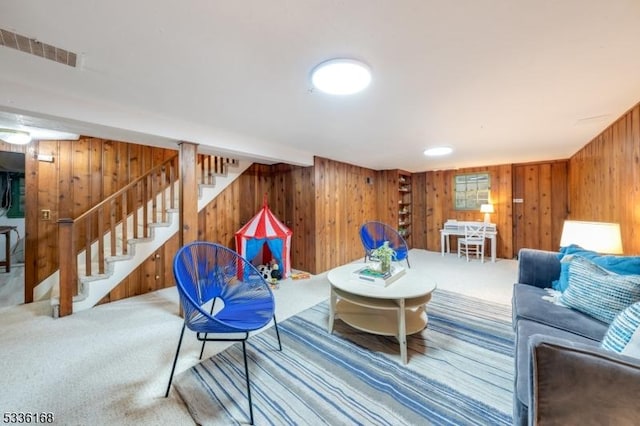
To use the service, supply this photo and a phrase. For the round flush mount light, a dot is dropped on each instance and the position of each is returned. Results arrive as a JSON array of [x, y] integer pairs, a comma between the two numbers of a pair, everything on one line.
[[341, 76], [16, 137], [438, 151]]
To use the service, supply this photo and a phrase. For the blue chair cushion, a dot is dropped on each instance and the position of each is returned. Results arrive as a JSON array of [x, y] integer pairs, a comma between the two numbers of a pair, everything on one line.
[[598, 292]]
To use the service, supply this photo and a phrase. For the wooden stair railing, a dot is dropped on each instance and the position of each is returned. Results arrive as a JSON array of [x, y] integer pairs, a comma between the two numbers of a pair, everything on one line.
[[127, 214], [209, 166]]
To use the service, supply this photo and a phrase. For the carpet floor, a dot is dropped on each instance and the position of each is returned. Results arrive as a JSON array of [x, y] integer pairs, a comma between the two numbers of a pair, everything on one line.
[[460, 372]]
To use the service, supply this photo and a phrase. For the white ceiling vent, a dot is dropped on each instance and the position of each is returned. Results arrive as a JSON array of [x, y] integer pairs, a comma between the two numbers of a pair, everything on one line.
[[35, 47]]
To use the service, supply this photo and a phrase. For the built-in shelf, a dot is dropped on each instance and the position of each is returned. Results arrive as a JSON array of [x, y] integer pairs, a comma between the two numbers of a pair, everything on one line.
[[404, 203]]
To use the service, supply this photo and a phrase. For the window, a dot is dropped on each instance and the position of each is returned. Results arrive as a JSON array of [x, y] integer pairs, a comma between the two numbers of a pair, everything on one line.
[[12, 194], [471, 190]]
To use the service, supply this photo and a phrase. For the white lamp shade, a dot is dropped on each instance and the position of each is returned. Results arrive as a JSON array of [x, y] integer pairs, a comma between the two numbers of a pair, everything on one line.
[[486, 208], [601, 237]]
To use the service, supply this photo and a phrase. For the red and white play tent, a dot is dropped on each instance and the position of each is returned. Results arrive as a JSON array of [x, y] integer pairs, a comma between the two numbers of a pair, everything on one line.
[[266, 236]]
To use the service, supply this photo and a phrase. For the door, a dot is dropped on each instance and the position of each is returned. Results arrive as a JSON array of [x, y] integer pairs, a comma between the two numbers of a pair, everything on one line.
[[540, 194], [12, 214]]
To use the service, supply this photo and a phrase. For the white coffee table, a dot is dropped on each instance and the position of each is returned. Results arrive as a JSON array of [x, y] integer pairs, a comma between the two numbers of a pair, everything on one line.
[[396, 310]]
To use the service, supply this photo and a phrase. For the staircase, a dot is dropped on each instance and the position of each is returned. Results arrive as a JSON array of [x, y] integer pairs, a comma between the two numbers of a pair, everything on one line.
[[132, 224]]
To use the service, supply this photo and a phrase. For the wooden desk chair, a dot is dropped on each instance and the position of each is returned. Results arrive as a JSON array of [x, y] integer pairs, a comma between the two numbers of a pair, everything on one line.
[[473, 241]]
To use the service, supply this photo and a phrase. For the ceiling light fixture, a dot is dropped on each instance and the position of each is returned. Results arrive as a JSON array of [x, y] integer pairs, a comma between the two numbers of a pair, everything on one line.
[[341, 76], [16, 137], [438, 151]]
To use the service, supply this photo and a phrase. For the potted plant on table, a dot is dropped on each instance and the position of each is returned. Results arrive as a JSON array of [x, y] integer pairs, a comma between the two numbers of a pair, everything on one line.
[[384, 254]]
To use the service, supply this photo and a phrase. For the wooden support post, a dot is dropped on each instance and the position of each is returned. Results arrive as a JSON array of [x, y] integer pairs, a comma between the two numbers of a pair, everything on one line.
[[188, 193], [68, 269], [188, 196]]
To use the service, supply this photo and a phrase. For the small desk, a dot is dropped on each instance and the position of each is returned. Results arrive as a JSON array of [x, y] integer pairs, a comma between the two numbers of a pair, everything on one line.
[[7, 237], [454, 227]]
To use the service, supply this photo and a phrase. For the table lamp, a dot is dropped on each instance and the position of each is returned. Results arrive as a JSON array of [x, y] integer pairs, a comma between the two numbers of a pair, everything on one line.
[[487, 209], [601, 237]]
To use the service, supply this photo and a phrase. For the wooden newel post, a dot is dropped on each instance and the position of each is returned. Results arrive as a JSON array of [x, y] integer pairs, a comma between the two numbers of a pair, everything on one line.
[[188, 193], [188, 204], [67, 261]]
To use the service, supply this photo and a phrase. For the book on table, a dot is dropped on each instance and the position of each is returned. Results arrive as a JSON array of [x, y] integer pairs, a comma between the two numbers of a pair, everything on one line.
[[371, 276]]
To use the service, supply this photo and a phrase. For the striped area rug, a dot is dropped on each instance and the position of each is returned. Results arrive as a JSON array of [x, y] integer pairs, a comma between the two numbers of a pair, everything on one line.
[[460, 372]]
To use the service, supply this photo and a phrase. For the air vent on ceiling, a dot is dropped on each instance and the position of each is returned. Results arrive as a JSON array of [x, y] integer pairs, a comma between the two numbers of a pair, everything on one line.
[[35, 47]]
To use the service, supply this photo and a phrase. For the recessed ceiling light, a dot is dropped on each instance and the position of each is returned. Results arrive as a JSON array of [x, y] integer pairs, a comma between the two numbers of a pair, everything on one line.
[[16, 137], [437, 151], [341, 76]]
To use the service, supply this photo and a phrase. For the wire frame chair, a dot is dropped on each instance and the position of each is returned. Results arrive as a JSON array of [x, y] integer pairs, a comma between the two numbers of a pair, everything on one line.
[[374, 234], [224, 295]]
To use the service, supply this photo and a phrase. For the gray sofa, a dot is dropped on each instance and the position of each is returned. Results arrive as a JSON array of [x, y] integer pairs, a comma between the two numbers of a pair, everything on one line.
[[562, 376]]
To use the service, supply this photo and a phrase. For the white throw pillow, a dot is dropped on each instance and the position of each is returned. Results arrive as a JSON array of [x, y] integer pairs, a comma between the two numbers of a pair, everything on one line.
[[597, 292]]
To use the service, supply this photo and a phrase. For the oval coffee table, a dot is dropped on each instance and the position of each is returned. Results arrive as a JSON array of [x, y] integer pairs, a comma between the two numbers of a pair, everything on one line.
[[398, 309]]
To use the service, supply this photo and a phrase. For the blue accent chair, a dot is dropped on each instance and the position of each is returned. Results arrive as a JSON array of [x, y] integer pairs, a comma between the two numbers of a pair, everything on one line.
[[222, 295], [374, 234]]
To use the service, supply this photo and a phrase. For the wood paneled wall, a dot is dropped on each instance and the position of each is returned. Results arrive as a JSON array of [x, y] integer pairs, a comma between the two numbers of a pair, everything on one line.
[[295, 203], [440, 205], [541, 189], [290, 194], [82, 173], [419, 211], [604, 179], [325, 204], [235, 206], [155, 273], [386, 196], [345, 198]]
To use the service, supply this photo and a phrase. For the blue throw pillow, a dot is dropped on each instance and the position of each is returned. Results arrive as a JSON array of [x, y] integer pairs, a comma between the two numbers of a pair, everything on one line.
[[623, 265], [598, 292], [565, 255], [623, 335]]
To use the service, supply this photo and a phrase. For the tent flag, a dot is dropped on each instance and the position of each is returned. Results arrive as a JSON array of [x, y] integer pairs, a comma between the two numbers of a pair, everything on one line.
[[265, 228]]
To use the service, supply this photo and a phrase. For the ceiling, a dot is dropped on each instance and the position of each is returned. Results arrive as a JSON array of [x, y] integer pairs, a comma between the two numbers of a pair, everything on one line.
[[500, 81]]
